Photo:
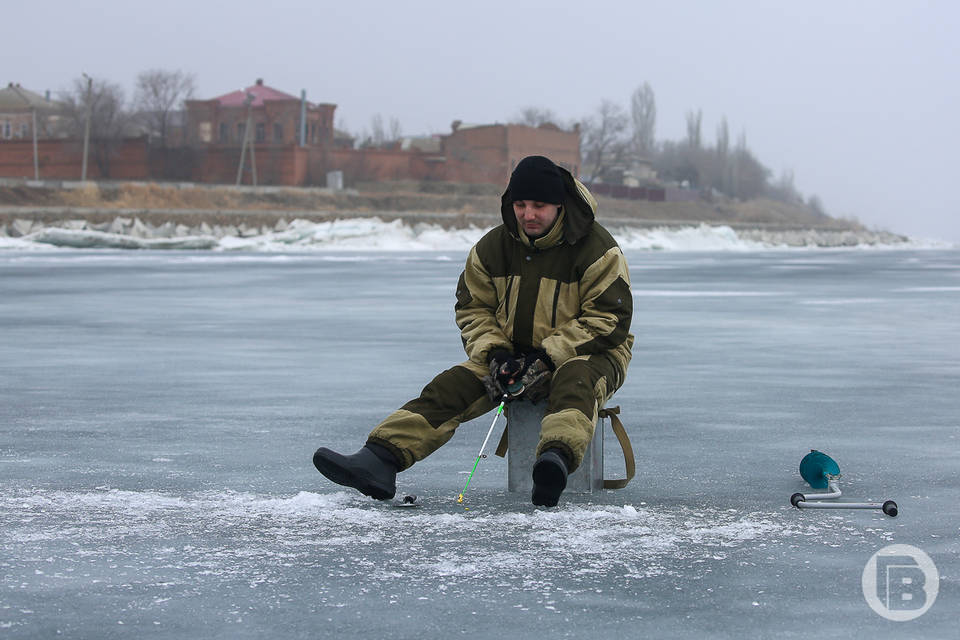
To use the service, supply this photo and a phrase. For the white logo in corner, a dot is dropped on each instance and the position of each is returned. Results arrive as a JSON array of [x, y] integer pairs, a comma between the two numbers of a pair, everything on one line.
[[900, 582]]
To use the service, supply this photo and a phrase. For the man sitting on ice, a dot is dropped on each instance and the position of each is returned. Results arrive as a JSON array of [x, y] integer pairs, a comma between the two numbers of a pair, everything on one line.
[[543, 306]]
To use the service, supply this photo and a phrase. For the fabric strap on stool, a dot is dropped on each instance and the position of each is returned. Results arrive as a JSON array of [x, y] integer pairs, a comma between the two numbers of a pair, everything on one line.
[[621, 433]]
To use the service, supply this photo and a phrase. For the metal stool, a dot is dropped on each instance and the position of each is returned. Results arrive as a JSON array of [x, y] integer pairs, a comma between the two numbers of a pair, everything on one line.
[[523, 435]]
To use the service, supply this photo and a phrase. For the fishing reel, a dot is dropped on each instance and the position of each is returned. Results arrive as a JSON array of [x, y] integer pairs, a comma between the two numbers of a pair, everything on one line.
[[515, 390]]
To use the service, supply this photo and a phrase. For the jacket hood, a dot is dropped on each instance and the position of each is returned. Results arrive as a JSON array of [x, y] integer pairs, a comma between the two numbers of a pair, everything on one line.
[[579, 210]]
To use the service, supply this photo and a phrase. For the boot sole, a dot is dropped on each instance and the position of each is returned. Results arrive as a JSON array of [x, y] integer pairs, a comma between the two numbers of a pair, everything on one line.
[[344, 477], [549, 481]]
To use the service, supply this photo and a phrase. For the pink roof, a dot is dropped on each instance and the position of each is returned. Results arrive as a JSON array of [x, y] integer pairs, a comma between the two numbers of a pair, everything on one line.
[[260, 91]]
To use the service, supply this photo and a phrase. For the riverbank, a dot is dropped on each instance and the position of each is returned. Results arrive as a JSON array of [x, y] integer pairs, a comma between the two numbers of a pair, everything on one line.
[[121, 214], [256, 231]]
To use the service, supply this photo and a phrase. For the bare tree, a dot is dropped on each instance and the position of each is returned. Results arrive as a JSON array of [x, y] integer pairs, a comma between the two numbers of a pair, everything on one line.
[[396, 131], [109, 120], [723, 138], [749, 176], [816, 205], [674, 162], [603, 142], [643, 109], [784, 189], [535, 116], [158, 94], [378, 134], [742, 142], [722, 175], [694, 119]]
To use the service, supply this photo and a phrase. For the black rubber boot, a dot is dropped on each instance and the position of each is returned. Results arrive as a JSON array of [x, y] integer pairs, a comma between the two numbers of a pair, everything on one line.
[[549, 478], [370, 472]]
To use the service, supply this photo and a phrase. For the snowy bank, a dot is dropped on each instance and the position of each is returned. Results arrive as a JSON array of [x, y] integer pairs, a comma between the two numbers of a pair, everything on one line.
[[372, 233]]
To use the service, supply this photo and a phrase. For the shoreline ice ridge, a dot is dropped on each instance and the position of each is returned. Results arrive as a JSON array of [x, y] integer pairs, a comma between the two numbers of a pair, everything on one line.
[[372, 233]]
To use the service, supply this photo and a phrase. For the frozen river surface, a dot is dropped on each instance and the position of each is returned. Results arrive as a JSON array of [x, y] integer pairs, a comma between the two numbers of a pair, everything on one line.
[[158, 413]]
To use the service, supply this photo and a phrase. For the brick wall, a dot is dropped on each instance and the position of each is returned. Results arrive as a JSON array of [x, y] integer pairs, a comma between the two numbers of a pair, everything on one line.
[[63, 160], [281, 164], [474, 155]]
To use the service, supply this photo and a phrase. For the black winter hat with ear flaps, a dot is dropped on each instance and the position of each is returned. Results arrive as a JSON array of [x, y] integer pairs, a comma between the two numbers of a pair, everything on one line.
[[536, 178]]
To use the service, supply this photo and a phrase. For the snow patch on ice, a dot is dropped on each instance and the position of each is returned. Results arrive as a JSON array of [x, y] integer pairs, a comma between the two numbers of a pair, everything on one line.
[[230, 533]]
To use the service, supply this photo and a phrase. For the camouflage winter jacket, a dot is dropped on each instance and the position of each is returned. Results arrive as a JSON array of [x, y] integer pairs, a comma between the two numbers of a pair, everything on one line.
[[567, 293]]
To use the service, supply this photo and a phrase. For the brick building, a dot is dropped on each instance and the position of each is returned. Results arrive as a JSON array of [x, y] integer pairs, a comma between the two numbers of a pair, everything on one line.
[[489, 153], [275, 116]]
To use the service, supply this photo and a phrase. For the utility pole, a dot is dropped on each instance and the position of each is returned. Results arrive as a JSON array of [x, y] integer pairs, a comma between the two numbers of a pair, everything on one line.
[[253, 140], [86, 128], [303, 117], [36, 162], [246, 141]]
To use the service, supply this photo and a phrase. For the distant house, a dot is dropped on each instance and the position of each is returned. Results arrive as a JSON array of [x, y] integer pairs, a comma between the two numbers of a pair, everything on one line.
[[640, 173], [20, 107], [275, 115]]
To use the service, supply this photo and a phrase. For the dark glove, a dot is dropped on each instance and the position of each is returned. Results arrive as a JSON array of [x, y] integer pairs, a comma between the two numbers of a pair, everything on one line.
[[537, 373], [505, 372], [537, 354]]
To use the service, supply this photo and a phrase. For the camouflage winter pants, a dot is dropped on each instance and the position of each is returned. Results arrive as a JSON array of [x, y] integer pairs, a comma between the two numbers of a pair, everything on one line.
[[579, 388]]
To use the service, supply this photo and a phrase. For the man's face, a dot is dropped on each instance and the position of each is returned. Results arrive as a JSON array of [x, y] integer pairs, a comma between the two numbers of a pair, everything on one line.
[[535, 218]]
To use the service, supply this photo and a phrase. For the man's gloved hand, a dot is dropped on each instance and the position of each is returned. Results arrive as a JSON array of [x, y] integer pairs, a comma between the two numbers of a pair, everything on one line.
[[505, 372], [537, 372], [506, 368]]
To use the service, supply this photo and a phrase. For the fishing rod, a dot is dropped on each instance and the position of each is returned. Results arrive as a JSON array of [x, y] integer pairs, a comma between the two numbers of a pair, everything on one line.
[[503, 401]]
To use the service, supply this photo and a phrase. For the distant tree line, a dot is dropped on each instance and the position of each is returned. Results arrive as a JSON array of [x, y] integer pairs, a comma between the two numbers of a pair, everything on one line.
[[378, 135], [615, 141]]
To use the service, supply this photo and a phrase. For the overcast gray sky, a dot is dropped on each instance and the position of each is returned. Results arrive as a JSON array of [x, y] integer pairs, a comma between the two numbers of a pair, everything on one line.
[[859, 99]]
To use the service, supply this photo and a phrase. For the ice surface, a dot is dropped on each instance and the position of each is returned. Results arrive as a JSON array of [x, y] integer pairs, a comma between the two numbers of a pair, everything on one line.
[[158, 411]]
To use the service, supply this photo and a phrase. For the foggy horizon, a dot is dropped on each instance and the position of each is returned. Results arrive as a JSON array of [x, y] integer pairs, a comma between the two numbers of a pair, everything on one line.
[[856, 100]]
